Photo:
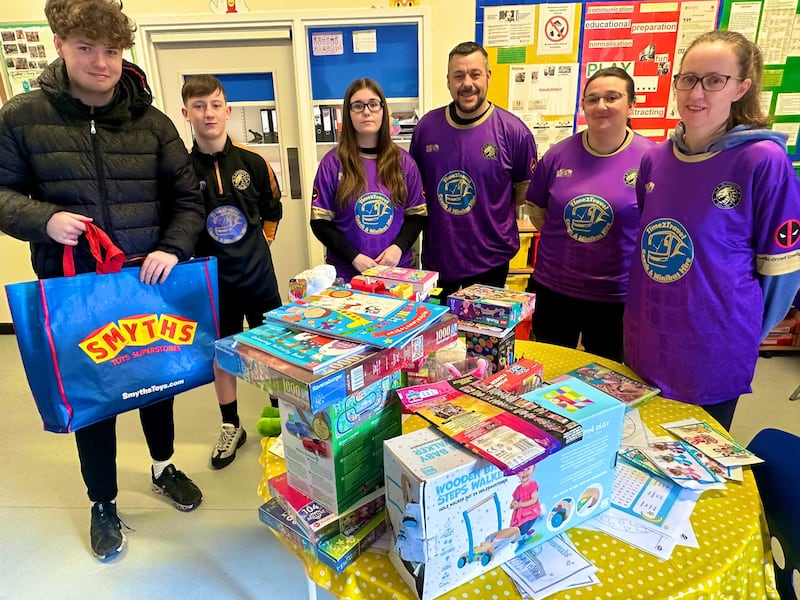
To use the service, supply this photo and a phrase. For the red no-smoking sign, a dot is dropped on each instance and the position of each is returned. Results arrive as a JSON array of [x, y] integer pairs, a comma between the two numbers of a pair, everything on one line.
[[556, 29]]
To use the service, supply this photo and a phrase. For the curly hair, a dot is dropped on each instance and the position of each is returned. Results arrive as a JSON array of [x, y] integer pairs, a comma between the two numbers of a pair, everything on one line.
[[98, 20]]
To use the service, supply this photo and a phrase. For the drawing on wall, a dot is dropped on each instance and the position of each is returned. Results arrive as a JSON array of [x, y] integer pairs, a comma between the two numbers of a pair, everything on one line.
[[221, 7]]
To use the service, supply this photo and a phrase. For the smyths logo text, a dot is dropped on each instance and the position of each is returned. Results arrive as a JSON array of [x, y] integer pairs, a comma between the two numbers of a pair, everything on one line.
[[108, 341]]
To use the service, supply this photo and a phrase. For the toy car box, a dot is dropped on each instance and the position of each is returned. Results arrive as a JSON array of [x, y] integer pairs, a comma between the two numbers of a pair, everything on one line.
[[335, 455], [336, 552], [490, 305], [315, 391], [454, 515]]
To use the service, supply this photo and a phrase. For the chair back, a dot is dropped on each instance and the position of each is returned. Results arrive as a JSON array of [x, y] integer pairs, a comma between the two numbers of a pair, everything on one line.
[[778, 480]]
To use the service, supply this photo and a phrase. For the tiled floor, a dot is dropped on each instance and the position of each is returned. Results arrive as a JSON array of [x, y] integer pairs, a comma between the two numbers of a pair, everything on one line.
[[219, 551]]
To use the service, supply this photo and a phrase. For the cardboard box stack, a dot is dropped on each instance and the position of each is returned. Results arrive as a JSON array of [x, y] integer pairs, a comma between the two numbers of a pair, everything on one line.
[[488, 317], [331, 501]]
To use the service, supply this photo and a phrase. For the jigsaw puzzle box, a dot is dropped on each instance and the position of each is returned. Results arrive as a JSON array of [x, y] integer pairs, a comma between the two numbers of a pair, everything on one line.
[[335, 455], [454, 515]]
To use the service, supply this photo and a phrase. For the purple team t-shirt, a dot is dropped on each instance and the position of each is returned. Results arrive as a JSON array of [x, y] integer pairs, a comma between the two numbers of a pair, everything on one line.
[[372, 222], [468, 173], [710, 224], [592, 218]]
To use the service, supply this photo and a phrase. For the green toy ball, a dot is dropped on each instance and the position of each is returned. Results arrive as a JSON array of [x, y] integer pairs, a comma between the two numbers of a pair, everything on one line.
[[270, 411], [269, 426]]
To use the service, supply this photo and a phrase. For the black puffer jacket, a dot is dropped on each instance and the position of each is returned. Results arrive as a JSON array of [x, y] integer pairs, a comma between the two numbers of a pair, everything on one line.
[[122, 164]]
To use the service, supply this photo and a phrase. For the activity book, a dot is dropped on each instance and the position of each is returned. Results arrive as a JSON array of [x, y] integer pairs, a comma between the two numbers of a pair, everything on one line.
[[627, 390], [311, 351], [509, 431], [347, 314]]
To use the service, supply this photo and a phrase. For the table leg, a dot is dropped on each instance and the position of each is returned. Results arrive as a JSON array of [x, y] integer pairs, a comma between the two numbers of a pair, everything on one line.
[[312, 589]]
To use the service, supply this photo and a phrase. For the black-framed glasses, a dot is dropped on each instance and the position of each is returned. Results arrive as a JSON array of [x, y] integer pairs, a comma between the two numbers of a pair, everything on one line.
[[373, 105], [713, 82], [609, 98]]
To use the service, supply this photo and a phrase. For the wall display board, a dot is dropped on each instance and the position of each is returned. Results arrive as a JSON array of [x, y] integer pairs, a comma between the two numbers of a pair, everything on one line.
[[25, 51], [533, 53], [775, 26], [389, 54], [646, 39], [542, 53]]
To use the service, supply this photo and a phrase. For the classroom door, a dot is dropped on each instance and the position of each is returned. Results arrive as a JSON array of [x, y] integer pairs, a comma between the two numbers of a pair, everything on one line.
[[175, 59]]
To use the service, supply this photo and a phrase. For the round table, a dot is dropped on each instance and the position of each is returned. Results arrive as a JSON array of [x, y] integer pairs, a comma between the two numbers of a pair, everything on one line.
[[732, 562]]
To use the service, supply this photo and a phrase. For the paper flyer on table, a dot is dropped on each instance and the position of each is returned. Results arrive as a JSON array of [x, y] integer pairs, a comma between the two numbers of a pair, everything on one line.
[[712, 442], [678, 461], [549, 568]]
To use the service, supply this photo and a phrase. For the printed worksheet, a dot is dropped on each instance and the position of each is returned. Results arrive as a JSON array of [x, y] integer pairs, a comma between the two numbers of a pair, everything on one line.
[[655, 503]]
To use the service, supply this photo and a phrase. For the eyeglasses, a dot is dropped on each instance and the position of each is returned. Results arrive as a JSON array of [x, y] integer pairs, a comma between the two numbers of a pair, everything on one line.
[[373, 105], [610, 98], [713, 82]]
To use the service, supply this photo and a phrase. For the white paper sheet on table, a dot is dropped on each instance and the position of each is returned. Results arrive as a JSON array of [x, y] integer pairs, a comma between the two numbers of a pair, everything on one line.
[[630, 531], [550, 567], [634, 431]]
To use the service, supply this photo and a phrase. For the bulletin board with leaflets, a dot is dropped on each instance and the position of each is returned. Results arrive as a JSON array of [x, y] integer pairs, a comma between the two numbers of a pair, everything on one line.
[[25, 51], [541, 54]]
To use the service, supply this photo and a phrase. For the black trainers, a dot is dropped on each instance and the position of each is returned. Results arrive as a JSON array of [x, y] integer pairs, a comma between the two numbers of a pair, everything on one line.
[[178, 487], [230, 439], [106, 530]]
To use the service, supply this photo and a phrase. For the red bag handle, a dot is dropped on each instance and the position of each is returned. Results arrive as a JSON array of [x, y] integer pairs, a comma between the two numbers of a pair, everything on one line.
[[108, 256]]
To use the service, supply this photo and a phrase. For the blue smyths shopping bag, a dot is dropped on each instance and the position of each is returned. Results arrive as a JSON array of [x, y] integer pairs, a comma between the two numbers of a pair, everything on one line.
[[96, 345]]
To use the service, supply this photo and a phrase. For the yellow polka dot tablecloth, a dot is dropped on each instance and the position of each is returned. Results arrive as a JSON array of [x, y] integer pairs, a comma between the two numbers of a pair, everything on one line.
[[732, 562]]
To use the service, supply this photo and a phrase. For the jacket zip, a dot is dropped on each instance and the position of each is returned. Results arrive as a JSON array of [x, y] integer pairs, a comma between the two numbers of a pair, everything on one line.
[[218, 177], [101, 181]]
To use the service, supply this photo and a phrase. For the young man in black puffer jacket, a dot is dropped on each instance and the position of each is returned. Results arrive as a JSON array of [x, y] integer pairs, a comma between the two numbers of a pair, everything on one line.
[[88, 146]]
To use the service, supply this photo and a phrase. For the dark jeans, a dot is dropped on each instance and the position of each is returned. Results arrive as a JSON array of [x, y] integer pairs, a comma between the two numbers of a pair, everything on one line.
[[561, 320], [97, 447], [495, 277]]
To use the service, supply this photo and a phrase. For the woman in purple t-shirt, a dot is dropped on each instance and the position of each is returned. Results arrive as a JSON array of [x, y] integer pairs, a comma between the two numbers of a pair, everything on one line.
[[367, 206], [718, 257], [583, 201]]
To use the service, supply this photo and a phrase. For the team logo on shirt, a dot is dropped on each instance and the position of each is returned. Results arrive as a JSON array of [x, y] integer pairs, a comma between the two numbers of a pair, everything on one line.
[[588, 218], [787, 234], [667, 250], [226, 224], [630, 177], [240, 179], [456, 193], [563, 173], [374, 213], [727, 195], [489, 151]]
